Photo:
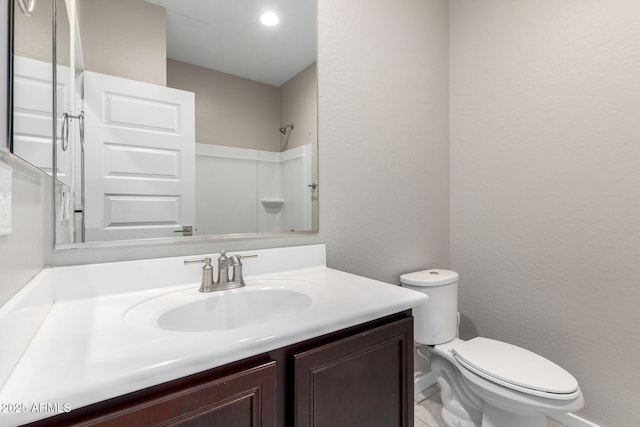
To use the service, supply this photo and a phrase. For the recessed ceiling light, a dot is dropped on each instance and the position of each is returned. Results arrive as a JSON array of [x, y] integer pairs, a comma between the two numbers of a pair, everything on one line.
[[269, 19]]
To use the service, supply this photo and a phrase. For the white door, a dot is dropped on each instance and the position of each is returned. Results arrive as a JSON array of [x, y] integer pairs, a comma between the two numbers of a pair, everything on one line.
[[32, 115], [139, 159]]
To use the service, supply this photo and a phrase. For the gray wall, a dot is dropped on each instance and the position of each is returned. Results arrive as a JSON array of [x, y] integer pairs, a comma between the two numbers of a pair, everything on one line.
[[384, 155], [545, 175], [230, 110], [127, 41], [299, 105], [32, 34]]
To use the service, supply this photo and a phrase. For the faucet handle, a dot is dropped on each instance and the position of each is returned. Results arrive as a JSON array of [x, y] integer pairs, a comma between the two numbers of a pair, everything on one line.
[[236, 262], [206, 261], [239, 258], [207, 273]]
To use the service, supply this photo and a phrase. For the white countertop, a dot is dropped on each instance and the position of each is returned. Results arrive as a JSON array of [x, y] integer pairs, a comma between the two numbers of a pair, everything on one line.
[[84, 353]]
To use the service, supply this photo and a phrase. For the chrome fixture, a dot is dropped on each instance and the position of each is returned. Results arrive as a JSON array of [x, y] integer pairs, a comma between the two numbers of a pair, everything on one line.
[[186, 230], [235, 262], [283, 129], [223, 269], [64, 144], [224, 263], [66, 118], [207, 273]]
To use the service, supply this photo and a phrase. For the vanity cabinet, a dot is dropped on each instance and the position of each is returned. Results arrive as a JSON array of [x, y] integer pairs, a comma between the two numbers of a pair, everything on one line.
[[244, 399], [359, 376], [361, 380]]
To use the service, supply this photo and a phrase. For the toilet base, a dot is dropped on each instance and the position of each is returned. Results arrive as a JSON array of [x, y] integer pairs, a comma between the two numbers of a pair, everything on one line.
[[459, 407], [467, 404]]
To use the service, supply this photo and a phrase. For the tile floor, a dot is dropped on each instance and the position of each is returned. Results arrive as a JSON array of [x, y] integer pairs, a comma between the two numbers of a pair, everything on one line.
[[428, 406]]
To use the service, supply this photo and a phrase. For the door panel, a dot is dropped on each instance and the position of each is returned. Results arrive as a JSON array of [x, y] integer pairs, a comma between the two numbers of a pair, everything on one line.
[[139, 159], [33, 115]]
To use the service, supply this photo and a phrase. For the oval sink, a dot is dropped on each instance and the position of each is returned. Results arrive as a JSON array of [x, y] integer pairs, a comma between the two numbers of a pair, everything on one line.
[[193, 311]]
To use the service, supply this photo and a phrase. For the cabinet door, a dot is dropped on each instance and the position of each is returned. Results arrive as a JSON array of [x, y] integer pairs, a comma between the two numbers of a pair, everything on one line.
[[243, 399], [362, 380]]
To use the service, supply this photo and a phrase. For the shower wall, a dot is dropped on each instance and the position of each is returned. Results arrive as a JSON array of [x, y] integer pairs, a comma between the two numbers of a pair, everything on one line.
[[241, 190]]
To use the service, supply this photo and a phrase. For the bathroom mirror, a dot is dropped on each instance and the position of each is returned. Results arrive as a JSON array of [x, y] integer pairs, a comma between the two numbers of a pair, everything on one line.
[[176, 119], [32, 119]]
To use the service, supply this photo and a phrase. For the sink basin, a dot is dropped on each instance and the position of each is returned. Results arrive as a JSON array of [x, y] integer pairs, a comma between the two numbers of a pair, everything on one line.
[[192, 311]]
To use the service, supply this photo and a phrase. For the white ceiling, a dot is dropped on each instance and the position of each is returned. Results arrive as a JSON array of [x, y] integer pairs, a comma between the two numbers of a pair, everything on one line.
[[227, 36]]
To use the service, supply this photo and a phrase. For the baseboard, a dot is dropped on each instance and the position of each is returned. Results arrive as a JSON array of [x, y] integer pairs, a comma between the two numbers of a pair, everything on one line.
[[572, 420]]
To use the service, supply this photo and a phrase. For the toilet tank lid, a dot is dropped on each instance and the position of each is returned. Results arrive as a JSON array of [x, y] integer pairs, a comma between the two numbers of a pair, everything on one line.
[[433, 277]]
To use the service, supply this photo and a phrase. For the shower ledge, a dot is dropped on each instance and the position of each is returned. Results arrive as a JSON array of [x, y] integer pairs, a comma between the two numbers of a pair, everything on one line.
[[272, 203]]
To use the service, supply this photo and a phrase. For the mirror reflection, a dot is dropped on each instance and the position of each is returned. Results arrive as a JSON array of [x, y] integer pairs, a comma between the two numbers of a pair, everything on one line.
[[175, 117]]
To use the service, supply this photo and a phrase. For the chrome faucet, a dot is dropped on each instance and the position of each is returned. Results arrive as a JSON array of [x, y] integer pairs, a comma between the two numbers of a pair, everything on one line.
[[207, 283], [236, 263], [223, 269], [224, 263]]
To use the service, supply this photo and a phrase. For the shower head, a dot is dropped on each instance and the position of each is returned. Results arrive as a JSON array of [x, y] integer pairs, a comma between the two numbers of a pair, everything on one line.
[[283, 130]]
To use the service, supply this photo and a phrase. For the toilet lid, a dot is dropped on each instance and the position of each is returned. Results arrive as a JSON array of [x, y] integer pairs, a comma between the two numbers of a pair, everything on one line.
[[513, 367]]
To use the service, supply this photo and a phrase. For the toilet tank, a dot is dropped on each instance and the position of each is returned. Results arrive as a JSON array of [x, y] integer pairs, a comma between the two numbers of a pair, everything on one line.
[[436, 321]]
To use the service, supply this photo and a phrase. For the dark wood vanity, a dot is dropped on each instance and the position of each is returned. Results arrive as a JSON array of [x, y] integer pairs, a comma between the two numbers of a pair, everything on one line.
[[359, 376]]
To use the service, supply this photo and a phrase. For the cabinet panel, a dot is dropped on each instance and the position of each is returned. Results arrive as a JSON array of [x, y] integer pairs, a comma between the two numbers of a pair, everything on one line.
[[243, 399], [363, 380]]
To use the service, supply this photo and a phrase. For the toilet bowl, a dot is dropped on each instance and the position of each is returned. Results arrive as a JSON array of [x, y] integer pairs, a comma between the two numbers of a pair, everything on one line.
[[484, 382]]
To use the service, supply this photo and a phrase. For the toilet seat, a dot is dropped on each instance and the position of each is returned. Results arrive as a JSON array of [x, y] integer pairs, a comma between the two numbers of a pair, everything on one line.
[[515, 368]]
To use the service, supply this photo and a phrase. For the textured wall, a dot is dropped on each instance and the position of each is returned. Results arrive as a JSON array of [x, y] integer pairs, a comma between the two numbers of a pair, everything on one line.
[[545, 169], [384, 201]]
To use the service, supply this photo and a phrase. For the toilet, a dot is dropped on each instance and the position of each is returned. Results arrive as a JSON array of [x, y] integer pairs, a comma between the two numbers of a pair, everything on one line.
[[484, 382]]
